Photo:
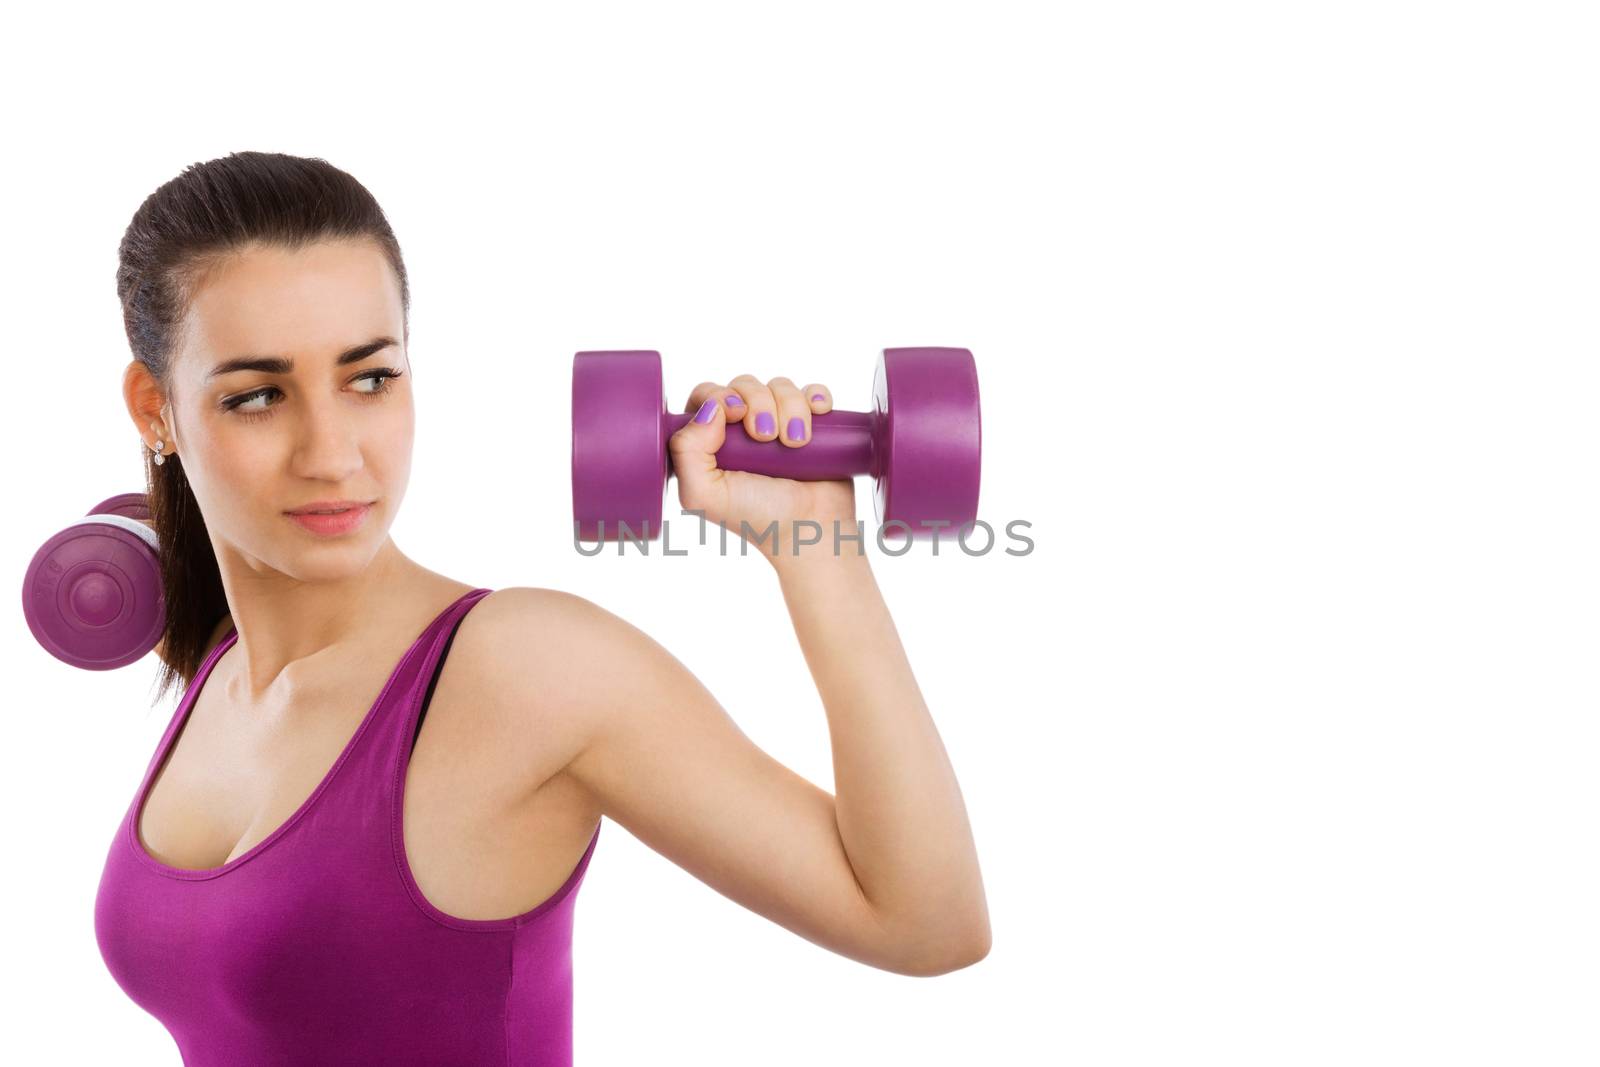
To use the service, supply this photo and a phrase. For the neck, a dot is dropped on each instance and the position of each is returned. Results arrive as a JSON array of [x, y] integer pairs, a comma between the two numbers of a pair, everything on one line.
[[285, 622]]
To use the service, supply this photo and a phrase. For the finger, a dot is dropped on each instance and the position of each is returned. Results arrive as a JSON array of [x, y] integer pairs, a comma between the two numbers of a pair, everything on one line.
[[694, 447], [820, 397], [794, 411], [761, 414], [698, 394]]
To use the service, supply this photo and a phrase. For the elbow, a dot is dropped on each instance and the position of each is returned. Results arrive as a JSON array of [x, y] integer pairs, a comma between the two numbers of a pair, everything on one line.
[[976, 953], [935, 956]]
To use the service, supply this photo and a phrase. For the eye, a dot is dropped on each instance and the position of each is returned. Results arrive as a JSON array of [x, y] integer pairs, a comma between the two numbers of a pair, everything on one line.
[[237, 404], [383, 376], [380, 376]]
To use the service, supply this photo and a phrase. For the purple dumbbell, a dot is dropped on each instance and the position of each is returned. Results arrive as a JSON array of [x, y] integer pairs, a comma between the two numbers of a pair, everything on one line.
[[93, 595], [921, 443]]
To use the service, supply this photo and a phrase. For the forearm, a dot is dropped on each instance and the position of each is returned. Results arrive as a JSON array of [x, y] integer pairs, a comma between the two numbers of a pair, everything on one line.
[[898, 806]]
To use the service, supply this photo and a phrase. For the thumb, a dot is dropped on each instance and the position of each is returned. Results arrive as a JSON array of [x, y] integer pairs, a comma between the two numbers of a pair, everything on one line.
[[693, 449]]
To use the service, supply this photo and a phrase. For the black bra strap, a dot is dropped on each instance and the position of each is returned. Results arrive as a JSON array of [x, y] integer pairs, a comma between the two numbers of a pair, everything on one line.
[[437, 667]]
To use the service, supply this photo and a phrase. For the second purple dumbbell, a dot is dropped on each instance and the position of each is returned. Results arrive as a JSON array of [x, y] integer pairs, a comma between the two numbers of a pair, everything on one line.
[[921, 444], [92, 594]]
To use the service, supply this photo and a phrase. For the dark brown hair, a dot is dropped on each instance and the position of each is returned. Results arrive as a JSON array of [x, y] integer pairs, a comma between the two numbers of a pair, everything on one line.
[[187, 226]]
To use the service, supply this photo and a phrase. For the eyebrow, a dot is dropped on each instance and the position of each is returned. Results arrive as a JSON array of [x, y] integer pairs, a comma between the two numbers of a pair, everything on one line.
[[280, 365]]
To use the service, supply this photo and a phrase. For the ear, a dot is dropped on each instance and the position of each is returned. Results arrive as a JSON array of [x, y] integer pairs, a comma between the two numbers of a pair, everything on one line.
[[146, 404]]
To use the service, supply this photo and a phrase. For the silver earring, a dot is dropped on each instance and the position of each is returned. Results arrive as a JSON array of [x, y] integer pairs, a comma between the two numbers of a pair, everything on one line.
[[159, 445]]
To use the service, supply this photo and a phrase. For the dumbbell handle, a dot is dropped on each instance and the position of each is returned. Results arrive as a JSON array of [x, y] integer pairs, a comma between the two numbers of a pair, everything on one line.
[[840, 447]]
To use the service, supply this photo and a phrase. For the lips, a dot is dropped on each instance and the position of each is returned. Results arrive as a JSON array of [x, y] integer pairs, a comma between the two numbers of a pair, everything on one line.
[[331, 524], [327, 506]]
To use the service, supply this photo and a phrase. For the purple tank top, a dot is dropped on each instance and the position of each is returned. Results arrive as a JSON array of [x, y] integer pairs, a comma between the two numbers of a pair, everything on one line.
[[316, 946]]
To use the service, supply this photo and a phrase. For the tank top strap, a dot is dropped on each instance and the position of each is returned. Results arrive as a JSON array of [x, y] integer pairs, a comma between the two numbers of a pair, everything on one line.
[[190, 692], [432, 640], [412, 681]]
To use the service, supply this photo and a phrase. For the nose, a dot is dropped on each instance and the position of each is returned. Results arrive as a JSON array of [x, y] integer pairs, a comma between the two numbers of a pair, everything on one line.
[[327, 443]]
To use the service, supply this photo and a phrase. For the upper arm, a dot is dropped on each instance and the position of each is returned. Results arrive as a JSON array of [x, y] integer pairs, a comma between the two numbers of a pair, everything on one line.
[[660, 756]]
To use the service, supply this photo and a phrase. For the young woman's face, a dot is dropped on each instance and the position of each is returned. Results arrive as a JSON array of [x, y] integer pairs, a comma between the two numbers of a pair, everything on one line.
[[332, 420]]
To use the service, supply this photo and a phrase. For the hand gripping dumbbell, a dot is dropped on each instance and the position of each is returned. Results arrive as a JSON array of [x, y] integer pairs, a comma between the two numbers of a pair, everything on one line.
[[920, 443], [92, 594]]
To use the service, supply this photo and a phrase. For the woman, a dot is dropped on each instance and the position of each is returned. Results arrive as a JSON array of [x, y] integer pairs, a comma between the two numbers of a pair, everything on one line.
[[361, 837]]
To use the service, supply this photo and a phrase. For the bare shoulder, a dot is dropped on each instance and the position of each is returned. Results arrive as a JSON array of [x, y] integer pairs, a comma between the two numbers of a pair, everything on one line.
[[547, 666], [572, 637], [553, 626]]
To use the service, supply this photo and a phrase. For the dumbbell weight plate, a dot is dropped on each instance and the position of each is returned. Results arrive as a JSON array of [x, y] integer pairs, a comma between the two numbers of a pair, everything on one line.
[[928, 446], [619, 454], [92, 594]]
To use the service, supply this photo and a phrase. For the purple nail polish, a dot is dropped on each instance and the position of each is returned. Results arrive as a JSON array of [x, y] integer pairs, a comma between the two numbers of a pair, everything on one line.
[[706, 410], [765, 423], [818, 397], [797, 429], [735, 401]]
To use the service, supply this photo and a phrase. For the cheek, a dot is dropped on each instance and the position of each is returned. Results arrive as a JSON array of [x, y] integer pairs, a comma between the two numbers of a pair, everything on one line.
[[231, 473], [389, 449], [226, 455]]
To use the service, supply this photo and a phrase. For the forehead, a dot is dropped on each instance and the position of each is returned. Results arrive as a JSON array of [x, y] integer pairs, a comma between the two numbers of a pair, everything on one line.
[[314, 301]]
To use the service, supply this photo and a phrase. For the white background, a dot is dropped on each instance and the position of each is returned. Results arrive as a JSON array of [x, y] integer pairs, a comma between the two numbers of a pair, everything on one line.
[[1279, 748]]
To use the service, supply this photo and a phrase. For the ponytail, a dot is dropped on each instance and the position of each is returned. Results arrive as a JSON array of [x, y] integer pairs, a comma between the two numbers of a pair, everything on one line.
[[191, 582]]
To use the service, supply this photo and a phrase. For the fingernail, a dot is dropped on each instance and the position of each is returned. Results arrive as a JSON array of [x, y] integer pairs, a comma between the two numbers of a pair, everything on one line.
[[706, 410], [797, 429], [765, 423], [734, 401], [818, 397]]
